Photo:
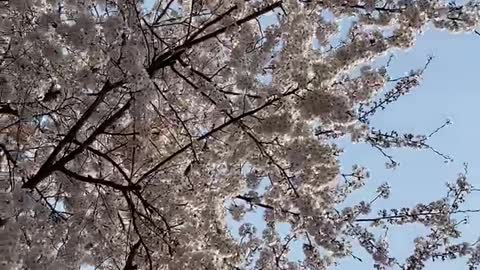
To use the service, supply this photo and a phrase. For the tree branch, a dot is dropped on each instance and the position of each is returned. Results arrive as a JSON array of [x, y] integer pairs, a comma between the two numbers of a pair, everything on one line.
[[98, 181], [168, 57], [50, 165]]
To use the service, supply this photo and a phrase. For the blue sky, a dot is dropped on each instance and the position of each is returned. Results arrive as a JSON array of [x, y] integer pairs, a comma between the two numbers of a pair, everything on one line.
[[449, 91]]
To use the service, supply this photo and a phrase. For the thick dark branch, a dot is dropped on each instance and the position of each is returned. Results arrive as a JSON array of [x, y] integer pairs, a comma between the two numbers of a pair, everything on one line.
[[100, 129], [7, 154], [98, 181], [169, 57], [6, 109], [131, 255], [50, 165]]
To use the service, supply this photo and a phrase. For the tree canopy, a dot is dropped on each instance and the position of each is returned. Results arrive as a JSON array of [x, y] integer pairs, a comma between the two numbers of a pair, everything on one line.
[[131, 133]]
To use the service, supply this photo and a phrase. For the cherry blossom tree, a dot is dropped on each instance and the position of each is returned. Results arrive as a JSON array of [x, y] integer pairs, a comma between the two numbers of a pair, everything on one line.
[[130, 135]]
